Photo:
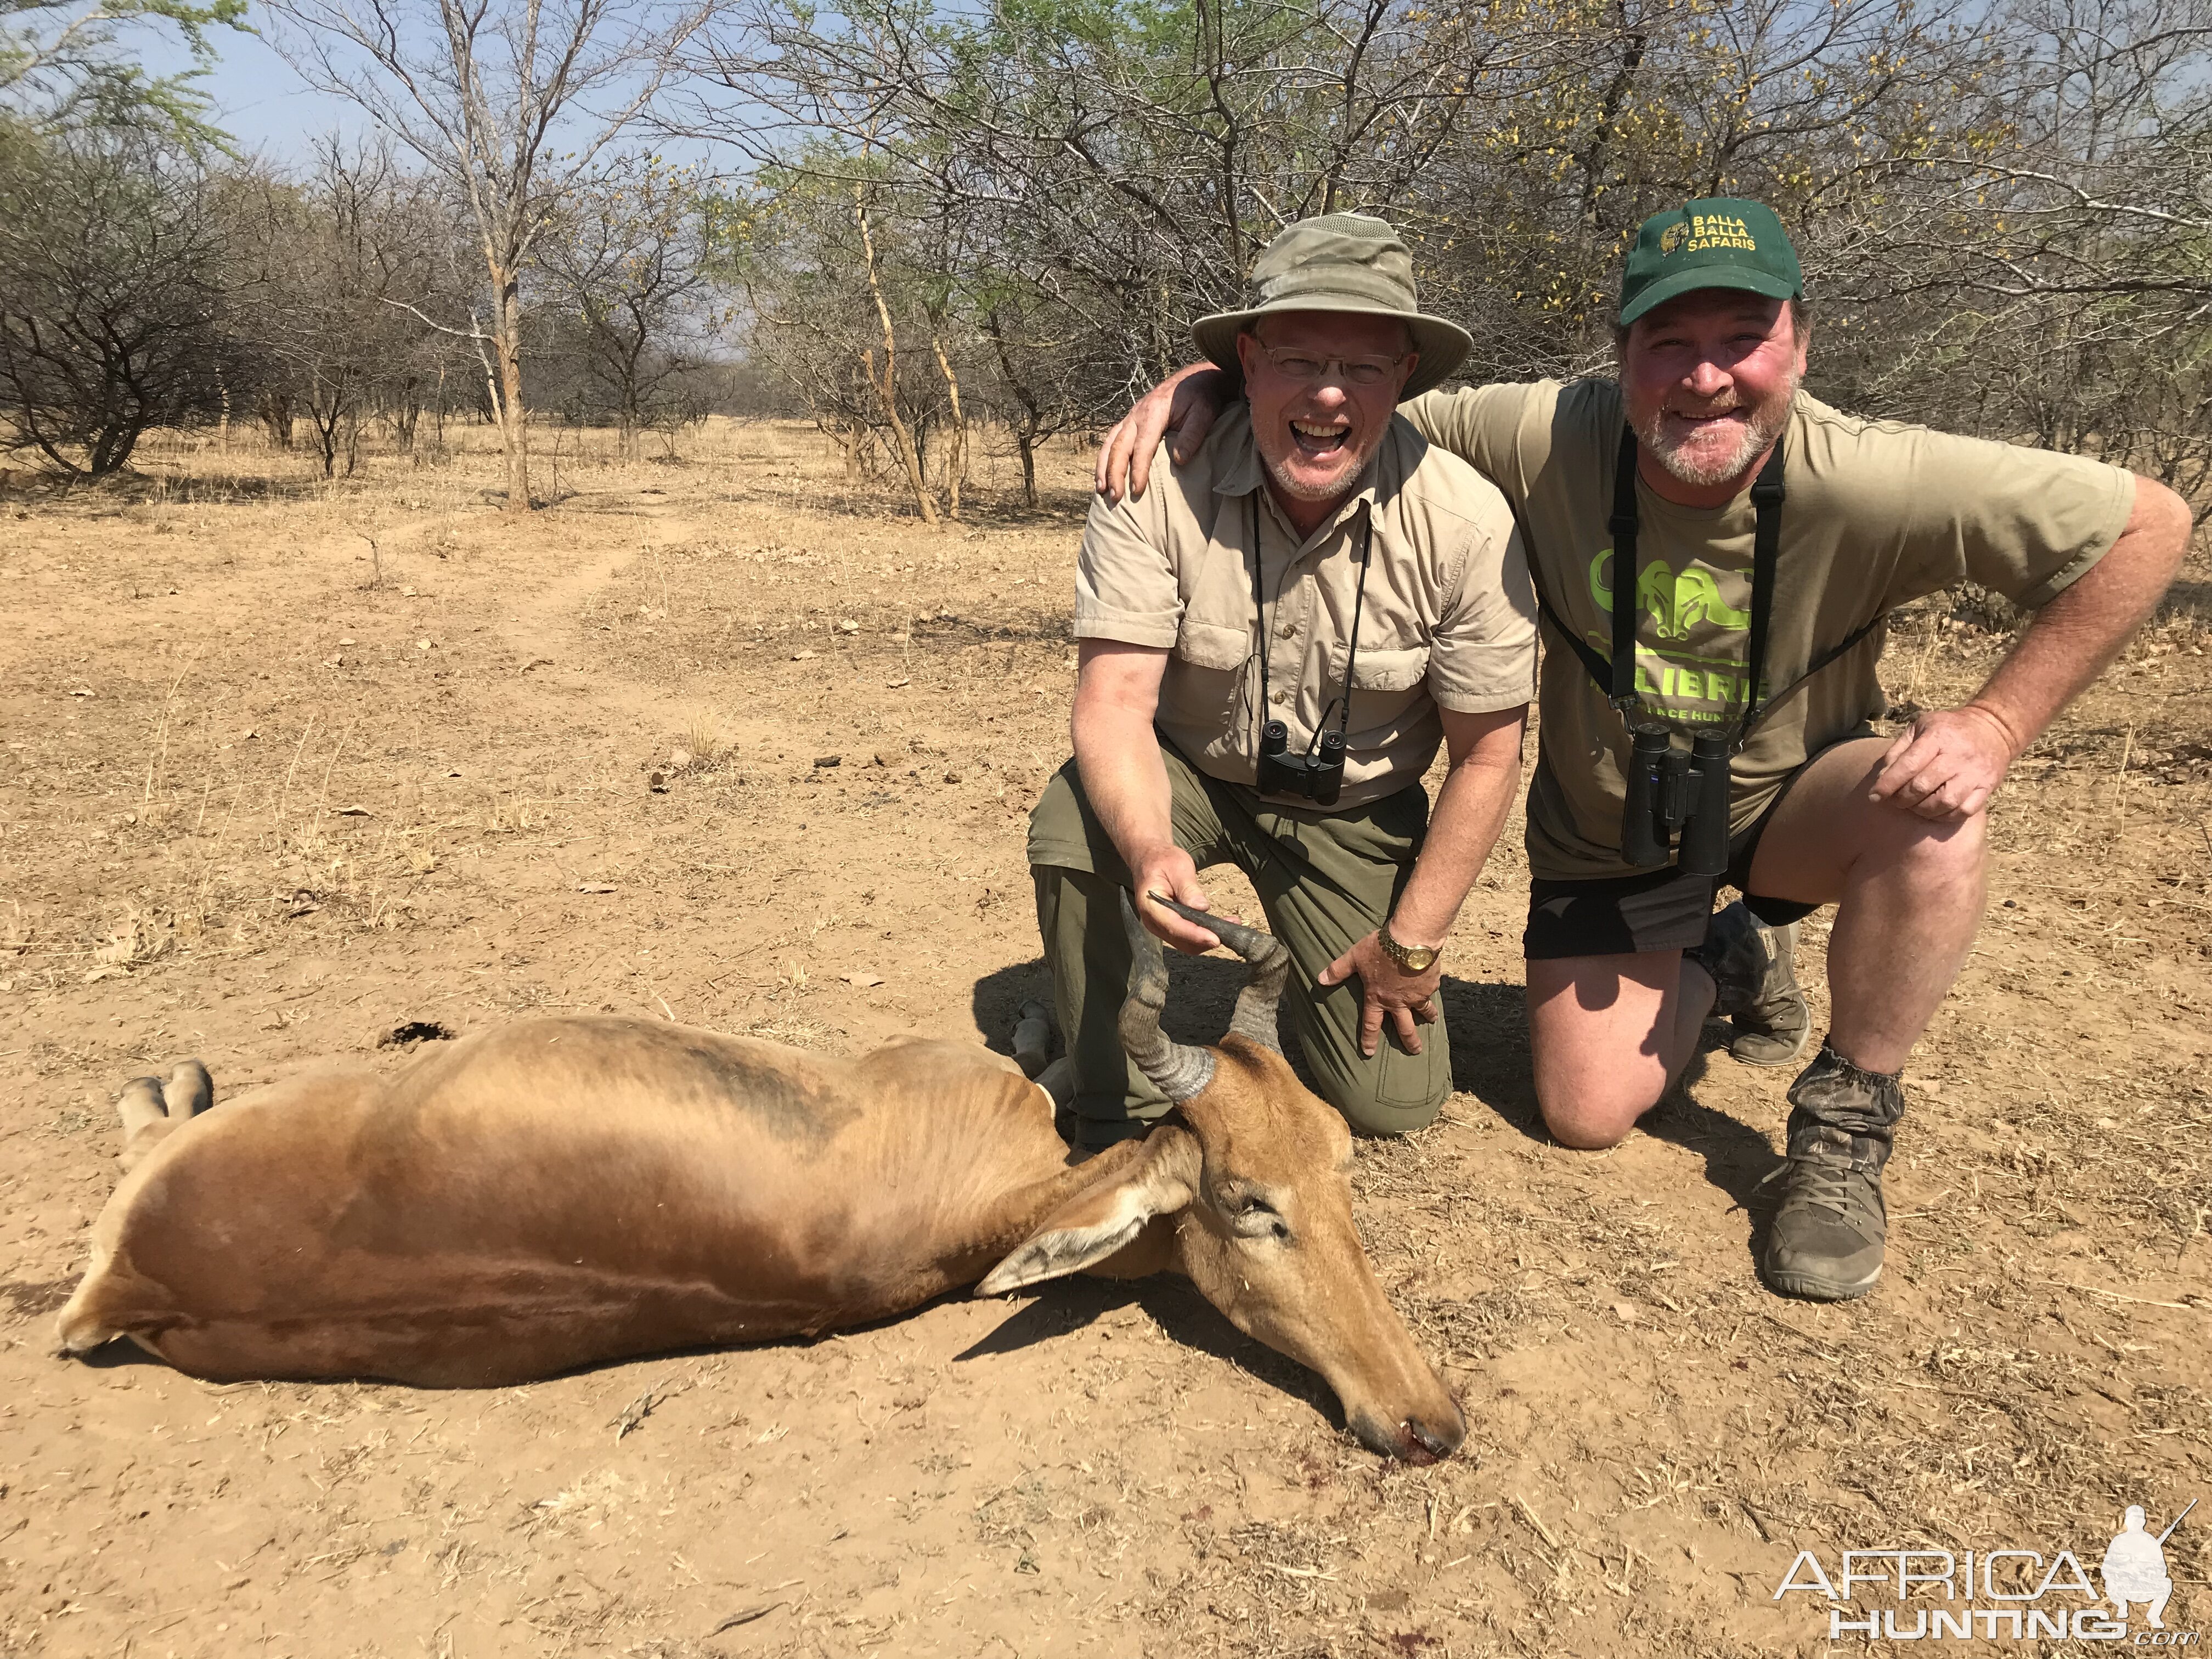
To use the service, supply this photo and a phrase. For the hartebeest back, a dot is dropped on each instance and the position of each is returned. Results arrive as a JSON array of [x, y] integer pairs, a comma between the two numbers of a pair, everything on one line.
[[557, 1192]]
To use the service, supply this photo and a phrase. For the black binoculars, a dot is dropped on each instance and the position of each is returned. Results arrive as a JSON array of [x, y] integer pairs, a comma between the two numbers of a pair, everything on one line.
[[1319, 778], [1671, 791]]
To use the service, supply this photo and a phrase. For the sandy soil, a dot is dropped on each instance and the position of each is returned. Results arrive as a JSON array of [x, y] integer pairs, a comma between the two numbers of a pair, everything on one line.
[[288, 765]]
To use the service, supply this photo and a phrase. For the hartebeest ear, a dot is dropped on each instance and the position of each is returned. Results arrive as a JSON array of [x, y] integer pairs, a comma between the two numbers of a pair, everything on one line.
[[1101, 1218]]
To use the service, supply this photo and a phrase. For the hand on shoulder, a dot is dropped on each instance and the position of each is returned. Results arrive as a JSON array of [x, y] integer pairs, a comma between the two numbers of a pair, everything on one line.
[[1185, 404]]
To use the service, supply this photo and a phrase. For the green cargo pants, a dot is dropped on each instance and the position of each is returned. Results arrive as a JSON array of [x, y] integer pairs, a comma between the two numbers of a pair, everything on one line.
[[1326, 879]]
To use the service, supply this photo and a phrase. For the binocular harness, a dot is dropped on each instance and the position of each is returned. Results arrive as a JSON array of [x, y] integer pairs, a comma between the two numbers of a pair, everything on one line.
[[1316, 774], [1668, 790]]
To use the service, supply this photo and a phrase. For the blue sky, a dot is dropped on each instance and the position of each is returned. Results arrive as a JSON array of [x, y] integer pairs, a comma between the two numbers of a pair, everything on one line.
[[267, 109], [258, 99]]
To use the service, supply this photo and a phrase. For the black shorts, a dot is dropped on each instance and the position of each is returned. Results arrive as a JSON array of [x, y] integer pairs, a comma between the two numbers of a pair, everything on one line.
[[1653, 910]]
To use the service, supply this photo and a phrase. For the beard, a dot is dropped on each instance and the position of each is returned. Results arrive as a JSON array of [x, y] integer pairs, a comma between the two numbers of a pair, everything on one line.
[[1351, 463], [1677, 454]]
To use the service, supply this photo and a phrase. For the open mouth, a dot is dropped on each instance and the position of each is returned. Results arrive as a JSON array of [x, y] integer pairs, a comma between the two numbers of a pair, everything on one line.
[[1687, 423], [1319, 439]]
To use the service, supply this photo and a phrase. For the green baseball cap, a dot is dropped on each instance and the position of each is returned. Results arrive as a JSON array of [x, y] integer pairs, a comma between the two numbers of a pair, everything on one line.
[[1716, 242]]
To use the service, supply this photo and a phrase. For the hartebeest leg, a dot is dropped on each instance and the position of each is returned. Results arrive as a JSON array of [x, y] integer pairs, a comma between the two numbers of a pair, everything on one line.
[[150, 1108]]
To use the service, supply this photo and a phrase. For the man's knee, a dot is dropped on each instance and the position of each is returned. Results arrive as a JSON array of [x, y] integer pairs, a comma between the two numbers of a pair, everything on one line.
[[1393, 1094], [1590, 1117], [1602, 1030], [1930, 852]]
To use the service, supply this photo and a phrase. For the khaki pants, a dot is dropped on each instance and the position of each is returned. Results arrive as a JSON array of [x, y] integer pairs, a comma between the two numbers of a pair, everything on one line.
[[1326, 879]]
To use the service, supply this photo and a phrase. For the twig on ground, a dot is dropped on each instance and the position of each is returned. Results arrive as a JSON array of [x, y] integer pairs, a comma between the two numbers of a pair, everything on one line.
[[2117, 1295], [1534, 1520], [745, 1617]]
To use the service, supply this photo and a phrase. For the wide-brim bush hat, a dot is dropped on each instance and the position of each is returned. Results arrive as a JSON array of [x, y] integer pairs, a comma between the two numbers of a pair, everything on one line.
[[1340, 262]]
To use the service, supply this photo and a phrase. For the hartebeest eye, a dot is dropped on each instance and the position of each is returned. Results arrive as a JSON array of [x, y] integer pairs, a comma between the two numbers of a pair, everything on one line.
[[1252, 1216]]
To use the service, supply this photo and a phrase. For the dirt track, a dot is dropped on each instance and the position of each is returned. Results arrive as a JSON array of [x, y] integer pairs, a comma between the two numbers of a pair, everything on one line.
[[266, 798]]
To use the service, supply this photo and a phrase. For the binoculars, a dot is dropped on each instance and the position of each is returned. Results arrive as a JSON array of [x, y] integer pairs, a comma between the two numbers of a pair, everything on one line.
[[1319, 778], [1671, 791]]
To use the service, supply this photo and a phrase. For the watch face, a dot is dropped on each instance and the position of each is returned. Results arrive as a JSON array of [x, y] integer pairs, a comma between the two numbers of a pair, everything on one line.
[[1419, 959]]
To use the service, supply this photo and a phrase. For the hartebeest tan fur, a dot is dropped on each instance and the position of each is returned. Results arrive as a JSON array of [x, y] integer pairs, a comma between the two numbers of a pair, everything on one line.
[[557, 1192]]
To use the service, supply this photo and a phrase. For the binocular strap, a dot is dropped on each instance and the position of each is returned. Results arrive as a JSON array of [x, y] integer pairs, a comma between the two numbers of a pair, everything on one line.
[[1617, 677], [1358, 601]]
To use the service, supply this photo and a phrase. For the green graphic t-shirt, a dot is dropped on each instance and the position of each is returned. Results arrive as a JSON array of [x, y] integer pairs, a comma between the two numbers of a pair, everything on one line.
[[1878, 515]]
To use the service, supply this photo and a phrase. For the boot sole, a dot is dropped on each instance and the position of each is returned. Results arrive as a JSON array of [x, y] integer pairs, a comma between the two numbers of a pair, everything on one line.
[[1810, 1289]]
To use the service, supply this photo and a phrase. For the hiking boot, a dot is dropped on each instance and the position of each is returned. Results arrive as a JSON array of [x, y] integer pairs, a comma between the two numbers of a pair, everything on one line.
[[1830, 1225], [1753, 970]]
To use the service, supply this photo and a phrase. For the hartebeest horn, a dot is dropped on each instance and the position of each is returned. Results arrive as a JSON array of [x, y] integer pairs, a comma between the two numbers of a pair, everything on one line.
[[1270, 964], [1179, 1072]]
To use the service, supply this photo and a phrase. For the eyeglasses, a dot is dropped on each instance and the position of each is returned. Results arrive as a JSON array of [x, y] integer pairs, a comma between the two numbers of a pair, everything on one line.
[[1293, 364]]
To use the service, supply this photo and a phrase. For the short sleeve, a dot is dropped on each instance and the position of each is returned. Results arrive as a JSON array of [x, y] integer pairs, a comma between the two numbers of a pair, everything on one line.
[[2026, 522], [1125, 583], [1502, 431], [1483, 656]]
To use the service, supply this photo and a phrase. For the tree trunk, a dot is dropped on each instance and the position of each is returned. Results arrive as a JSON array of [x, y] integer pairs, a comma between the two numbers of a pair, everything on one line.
[[276, 417], [887, 387], [1025, 435], [956, 456], [506, 393]]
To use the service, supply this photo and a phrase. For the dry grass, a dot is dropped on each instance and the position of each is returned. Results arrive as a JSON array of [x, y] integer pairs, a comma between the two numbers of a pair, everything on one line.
[[235, 845]]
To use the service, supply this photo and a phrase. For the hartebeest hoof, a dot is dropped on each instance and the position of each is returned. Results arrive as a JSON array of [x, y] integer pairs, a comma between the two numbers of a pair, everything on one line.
[[150, 1108]]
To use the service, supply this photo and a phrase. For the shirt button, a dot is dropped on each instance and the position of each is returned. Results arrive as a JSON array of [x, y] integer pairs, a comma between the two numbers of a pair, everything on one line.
[[1279, 697], [1288, 630]]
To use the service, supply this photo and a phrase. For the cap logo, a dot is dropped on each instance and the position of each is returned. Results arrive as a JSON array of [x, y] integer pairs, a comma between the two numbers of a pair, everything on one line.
[[1712, 230], [1671, 237]]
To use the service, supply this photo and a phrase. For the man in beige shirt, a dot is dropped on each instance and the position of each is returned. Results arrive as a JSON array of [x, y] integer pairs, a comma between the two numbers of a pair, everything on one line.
[[1645, 499], [1273, 649]]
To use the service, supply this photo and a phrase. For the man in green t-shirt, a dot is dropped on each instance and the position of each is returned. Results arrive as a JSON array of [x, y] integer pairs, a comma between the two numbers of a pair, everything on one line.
[[1703, 435]]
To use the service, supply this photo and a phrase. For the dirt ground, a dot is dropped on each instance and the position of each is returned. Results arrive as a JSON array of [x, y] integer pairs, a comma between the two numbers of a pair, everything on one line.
[[288, 765]]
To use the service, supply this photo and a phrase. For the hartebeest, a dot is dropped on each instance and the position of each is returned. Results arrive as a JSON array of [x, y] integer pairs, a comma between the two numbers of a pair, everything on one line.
[[557, 1192]]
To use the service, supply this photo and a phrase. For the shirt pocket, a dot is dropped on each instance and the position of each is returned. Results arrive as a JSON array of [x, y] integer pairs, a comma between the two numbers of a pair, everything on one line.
[[1209, 645], [1392, 669]]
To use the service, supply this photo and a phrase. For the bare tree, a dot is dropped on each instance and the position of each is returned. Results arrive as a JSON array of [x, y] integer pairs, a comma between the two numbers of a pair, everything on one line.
[[110, 294], [511, 102], [2057, 284], [2002, 204], [328, 272], [627, 257]]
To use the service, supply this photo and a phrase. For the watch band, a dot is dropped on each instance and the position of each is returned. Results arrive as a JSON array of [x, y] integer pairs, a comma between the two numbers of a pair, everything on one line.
[[1403, 954]]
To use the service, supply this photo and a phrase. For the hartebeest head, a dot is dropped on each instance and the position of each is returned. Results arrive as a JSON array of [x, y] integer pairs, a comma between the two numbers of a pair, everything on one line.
[[1250, 1169]]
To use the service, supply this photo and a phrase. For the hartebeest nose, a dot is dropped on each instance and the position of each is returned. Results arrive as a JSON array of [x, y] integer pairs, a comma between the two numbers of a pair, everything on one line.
[[1416, 1440], [1421, 1442]]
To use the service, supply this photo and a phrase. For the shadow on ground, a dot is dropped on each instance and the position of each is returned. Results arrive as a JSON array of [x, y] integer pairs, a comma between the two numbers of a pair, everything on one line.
[[1201, 991], [1182, 1315]]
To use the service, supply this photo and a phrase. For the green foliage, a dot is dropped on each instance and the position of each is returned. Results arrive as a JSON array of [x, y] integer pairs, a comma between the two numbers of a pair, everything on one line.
[[68, 63]]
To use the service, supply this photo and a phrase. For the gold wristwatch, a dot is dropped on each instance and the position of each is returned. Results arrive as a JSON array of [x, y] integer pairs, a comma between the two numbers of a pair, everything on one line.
[[1411, 958]]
